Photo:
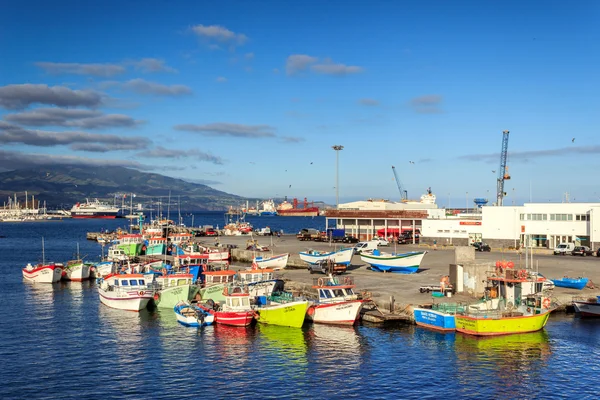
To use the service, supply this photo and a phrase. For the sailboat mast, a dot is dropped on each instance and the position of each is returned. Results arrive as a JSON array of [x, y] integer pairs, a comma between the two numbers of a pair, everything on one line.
[[43, 253]]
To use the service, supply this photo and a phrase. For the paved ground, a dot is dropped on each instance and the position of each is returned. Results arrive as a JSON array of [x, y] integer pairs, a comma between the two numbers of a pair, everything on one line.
[[405, 288]]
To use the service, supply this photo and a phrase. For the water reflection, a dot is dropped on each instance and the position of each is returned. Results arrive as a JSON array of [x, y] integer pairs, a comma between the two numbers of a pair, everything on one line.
[[288, 343], [515, 359]]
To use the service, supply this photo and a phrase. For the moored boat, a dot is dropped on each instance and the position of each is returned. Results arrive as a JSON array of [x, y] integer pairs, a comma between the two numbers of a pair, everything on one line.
[[173, 289], [571, 283], [281, 309], [43, 273], [404, 263], [260, 282], [131, 244], [439, 317], [236, 310], [337, 303], [94, 209], [516, 304], [214, 284], [587, 308], [128, 292], [77, 270], [278, 261], [191, 315]]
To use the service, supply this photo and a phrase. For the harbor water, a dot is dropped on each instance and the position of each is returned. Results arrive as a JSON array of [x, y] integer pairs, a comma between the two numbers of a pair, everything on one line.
[[58, 342]]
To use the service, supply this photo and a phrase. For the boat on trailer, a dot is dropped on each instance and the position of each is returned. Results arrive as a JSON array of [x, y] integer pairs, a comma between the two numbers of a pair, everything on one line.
[[341, 256], [404, 263]]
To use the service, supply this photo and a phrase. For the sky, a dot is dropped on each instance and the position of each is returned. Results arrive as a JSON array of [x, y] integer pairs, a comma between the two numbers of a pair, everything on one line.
[[249, 97]]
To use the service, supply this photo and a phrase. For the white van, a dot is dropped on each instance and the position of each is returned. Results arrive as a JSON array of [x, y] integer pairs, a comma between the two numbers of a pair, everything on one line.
[[365, 246], [564, 248]]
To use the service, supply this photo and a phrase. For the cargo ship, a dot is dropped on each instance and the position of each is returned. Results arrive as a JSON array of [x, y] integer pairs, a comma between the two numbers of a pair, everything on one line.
[[95, 209], [287, 209]]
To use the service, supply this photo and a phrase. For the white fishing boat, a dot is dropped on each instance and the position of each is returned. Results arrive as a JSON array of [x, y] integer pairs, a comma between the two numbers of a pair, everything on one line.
[[43, 273], [404, 263], [77, 270], [587, 307], [125, 292], [342, 256], [275, 262], [337, 304]]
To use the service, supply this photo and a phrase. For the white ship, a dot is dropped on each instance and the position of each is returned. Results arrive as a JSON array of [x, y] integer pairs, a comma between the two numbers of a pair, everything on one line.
[[95, 209]]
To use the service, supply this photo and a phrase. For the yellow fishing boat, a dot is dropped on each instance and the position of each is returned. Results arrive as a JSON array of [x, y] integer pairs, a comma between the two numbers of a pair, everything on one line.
[[281, 309], [515, 302]]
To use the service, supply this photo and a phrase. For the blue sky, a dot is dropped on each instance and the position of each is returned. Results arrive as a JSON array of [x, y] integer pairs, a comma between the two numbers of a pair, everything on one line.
[[249, 97]]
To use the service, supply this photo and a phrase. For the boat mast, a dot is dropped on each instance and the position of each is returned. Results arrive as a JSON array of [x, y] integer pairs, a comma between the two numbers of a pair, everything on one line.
[[43, 252]]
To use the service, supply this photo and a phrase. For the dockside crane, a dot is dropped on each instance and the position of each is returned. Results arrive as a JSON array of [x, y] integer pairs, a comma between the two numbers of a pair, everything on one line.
[[403, 193], [503, 171]]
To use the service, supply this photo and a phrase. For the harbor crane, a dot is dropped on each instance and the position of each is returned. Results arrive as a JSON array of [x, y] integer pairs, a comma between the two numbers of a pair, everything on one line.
[[403, 193], [503, 171]]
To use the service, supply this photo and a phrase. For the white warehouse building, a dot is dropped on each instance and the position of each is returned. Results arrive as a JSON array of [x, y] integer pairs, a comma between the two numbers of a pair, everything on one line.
[[545, 224]]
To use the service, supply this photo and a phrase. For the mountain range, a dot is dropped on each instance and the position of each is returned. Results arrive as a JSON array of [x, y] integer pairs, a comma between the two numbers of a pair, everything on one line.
[[62, 186]]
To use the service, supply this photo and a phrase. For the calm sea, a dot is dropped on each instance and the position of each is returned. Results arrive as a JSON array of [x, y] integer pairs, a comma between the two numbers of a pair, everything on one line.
[[59, 342]]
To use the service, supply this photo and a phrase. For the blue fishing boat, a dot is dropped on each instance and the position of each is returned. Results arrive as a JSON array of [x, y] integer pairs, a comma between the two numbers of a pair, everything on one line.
[[571, 283], [439, 317]]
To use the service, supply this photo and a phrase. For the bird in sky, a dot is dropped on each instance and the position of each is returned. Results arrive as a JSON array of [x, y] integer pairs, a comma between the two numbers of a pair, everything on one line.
[[493, 171], [573, 140], [412, 162], [311, 163], [290, 186], [252, 162]]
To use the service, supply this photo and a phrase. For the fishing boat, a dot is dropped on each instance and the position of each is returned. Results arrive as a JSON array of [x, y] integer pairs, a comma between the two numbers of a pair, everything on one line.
[[173, 289], [260, 282], [341, 256], [337, 303], [281, 309], [76, 270], [214, 285], [587, 308], [191, 315], [439, 317], [156, 246], [404, 263], [131, 244], [275, 262], [571, 283], [514, 303], [116, 254], [125, 292], [213, 254], [236, 310], [43, 273]]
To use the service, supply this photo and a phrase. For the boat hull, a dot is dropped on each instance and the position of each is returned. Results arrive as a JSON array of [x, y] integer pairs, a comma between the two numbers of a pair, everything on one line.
[[578, 284], [436, 320], [275, 262], [196, 318], [481, 326], [131, 249], [133, 300], [78, 273], [156, 249], [95, 216], [262, 288], [234, 318], [309, 212], [407, 263], [170, 296], [342, 313], [214, 293], [286, 314], [343, 256], [44, 274], [587, 309]]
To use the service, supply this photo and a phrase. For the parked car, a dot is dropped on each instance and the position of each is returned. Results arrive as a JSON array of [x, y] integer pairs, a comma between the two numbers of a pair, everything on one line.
[[350, 239], [363, 247], [598, 252], [211, 232], [407, 238], [582, 251], [564, 248], [481, 246], [380, 241]]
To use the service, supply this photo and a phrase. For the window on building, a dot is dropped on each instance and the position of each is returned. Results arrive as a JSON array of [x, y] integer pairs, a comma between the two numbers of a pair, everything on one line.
[[522, 217], [561, 217], [582, 217]]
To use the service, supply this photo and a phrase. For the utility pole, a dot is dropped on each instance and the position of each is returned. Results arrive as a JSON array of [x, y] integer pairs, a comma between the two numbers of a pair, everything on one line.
[[337, 149]]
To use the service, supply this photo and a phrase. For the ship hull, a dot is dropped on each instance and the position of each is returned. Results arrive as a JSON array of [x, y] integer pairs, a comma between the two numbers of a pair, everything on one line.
[[299, 213]]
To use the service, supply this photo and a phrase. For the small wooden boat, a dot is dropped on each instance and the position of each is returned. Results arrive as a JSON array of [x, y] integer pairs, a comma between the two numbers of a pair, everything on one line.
[[275, 262], [191, 315], [342, 256], [405, 263], [571, 283], [587, 308]]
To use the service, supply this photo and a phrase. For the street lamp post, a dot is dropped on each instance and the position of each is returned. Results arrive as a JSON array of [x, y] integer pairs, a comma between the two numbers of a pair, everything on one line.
[[337, 149], [467, 201]]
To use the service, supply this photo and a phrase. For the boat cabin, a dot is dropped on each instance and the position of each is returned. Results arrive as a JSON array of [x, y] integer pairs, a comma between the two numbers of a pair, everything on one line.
[[512, 286], [126, 281], [256, 275], [218, 277], [173, 280], [187, 260], [179, 238], [116, 254], [236, 298], [131, 239], [154, 241], [333, 290]]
